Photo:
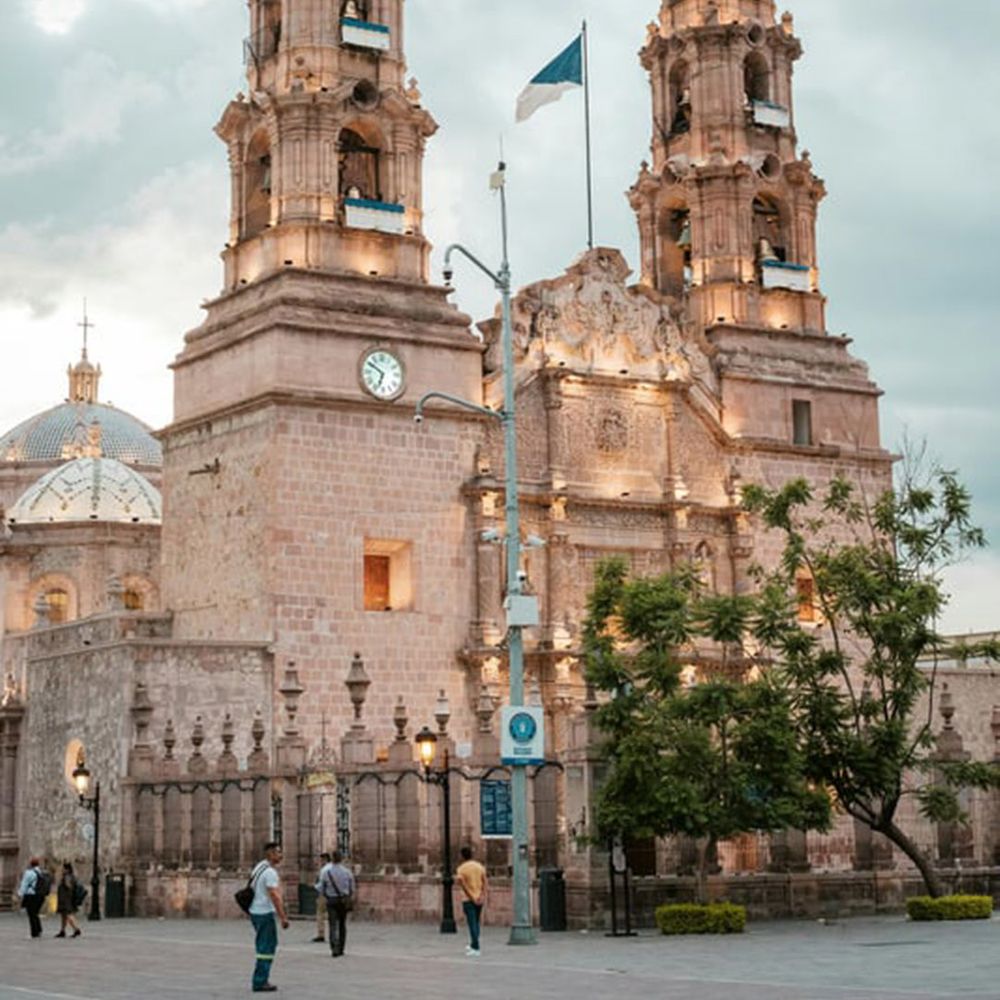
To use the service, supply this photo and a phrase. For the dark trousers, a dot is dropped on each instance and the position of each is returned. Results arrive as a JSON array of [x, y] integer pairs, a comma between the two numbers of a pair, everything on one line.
[[32, 905], [473, 917], [336, 913], [266, 929]]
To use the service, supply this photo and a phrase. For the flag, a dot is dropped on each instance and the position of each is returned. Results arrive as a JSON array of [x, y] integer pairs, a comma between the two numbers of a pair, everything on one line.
[[564, 73]]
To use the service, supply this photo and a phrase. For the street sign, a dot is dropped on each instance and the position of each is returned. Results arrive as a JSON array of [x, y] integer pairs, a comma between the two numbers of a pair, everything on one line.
[[523, 735], [496, 819]]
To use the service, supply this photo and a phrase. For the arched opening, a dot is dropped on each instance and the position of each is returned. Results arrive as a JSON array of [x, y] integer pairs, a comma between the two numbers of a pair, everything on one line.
[[360, 165], [757, 78], [257, 187], [133, 600], [769, 235], [703, 564], [680, 98], [675, 251], [355, 9], [270, 29], [58, 602]]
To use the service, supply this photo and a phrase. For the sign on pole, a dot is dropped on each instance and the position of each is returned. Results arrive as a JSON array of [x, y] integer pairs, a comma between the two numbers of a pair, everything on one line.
[[496, 819], [523, 739]]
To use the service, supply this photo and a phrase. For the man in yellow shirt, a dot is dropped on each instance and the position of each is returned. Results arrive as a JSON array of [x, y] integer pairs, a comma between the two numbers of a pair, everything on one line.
[[471, 876]]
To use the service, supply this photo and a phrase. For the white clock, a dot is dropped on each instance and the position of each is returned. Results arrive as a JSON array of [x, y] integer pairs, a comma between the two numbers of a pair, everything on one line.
[[382, 374]]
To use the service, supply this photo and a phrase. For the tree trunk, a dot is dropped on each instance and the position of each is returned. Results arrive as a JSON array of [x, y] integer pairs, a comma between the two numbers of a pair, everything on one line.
[[705, 845], [935, 887]]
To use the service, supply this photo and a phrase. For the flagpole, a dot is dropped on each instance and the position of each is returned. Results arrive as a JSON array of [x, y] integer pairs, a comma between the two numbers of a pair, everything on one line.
[[590, 168]]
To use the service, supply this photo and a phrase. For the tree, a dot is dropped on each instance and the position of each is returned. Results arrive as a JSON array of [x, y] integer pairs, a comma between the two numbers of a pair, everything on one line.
[[709, 761], [862, 703]]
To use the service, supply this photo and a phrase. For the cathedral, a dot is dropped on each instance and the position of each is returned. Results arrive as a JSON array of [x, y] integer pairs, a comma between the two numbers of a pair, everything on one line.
[[238, 623]]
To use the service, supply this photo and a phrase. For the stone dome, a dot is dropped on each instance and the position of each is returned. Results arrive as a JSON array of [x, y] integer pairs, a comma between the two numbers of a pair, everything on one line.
[[89, 489], [63, 432]]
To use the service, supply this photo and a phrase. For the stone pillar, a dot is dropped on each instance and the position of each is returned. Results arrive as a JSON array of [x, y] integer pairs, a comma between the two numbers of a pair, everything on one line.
[[291, 747], [954, 840], [789, 852]]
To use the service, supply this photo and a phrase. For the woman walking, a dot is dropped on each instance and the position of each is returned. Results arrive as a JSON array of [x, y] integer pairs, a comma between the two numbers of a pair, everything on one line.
[[68, 901]]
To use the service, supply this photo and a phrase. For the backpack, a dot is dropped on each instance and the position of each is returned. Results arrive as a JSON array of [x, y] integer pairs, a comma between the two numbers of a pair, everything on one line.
[[43, 883], [79, 894], [244, 897]]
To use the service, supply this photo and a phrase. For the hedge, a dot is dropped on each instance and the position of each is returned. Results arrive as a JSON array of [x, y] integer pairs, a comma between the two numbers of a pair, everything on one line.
[[690, 918], [950, 908]]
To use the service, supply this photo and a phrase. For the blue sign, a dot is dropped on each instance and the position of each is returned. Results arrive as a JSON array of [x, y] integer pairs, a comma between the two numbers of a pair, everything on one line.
[[522, 735], [496, 817]]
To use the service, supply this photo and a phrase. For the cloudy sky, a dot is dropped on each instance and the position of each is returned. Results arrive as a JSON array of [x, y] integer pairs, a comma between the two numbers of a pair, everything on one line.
[[113, 187]]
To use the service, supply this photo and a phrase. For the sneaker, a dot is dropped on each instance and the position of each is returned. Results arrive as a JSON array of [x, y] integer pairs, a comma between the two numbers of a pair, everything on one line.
[[472, 952]]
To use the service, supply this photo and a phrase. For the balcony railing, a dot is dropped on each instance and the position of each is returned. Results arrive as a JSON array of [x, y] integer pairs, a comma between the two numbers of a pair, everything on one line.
[[365, 34], [381, 216], [779, 274]]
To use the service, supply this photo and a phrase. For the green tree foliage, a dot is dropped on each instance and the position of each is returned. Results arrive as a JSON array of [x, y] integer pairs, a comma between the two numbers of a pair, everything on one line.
[[710, 761], [862, 702]]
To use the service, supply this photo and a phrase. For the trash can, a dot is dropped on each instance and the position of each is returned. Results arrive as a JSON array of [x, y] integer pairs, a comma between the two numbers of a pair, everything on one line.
[[551, 899], [114, 897], [307, 900]]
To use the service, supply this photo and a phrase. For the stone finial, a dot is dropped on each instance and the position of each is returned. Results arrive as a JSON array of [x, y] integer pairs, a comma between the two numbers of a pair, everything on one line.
[[43, 611], [400, 720], [412, 91], [257, 731], [947, 708], [142, 713], [949, 743], [357, 684], [486, 706], [169, 740], [291, 690], [116, 593], [788, 23], [197, 736], [228, 734], [442, 712]]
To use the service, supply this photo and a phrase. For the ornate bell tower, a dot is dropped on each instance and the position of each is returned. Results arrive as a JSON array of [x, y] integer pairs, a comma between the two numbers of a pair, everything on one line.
[[326, 153], [304, 508], [727, 210]]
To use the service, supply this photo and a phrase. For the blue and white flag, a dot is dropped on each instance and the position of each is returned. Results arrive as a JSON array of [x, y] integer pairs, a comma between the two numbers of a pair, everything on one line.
[[564, 73]]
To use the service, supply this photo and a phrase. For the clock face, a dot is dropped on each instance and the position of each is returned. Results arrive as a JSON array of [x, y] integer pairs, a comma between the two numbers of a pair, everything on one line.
[[382, 374]]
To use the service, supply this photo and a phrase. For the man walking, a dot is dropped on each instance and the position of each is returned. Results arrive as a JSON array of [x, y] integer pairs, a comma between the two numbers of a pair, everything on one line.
[[266, 910], [337, 884], [33, 890], [321, 916], [471, 876]]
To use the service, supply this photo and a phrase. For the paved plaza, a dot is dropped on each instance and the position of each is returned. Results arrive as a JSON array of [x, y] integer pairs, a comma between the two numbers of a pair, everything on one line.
[[867, 959]]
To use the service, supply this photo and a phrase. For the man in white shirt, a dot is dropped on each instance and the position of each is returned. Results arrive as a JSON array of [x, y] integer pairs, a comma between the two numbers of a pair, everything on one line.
[[266, 910], [337, 887], [31, 896]]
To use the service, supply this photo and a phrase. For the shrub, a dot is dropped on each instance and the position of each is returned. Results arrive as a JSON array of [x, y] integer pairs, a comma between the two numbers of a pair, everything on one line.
[[691, 918], [950, 908]]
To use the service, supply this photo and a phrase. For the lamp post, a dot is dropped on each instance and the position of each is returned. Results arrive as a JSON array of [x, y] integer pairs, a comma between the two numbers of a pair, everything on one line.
[[81, 779], [521, 931], [427, 745]]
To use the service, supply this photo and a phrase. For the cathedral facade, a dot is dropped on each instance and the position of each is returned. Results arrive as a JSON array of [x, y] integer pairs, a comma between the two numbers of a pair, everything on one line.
[[240, 622]]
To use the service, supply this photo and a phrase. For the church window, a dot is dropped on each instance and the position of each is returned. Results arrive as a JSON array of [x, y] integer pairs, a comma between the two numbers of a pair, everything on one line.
[[257, 187], [675, 253], [359, 167], [757, 78], [355, 9], [805, 598], [768, 230], [133, 600], [802, 431], [58, 602], [388, 575]]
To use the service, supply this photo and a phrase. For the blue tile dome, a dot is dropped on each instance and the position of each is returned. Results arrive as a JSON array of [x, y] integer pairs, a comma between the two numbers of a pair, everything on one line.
[[52, 436]]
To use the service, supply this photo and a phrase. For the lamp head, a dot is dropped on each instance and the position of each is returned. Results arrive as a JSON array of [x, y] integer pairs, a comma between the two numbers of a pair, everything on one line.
[[81, 777], [427, 746], [449, 273]]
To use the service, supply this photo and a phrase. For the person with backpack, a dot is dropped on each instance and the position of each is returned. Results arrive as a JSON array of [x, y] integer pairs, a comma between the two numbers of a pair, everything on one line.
[[69, 897], [34, 890], [337, 886], [265, 911]]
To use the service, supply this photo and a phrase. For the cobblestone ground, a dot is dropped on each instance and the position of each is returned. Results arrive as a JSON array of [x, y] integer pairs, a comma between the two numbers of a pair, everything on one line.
[[877, 959]]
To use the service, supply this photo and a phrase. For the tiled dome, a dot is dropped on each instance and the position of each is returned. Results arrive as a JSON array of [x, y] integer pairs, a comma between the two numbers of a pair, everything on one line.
[[52, 435], [89, 489]]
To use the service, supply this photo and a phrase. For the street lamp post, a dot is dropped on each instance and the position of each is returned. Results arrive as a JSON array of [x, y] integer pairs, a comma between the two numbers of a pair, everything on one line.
[[521, 931], [81, 779], [427, 745]]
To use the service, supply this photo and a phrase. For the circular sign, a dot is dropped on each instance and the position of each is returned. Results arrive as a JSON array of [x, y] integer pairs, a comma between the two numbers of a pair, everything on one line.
[[523, 727]]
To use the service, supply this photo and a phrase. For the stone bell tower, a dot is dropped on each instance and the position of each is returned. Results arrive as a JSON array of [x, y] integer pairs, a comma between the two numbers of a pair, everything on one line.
[[303, 507], [727, 209]]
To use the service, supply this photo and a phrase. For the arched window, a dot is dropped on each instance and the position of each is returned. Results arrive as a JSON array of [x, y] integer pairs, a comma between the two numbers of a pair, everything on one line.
[[757, 77], [675, 251], [270, 32], [257, 187], [58, 602], [359, 166], [680, 99], [133, 600], [356, 9], [769, 235]]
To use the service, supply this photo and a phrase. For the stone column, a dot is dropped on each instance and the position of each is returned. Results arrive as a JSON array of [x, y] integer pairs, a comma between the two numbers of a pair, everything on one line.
[[954, 840]]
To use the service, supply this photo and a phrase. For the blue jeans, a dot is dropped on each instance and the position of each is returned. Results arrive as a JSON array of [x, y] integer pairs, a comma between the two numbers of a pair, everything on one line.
[[266, 927], [473, 915]]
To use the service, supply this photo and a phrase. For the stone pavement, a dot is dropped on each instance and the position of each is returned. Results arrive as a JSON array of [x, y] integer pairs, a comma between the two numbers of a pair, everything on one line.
[[865, 959]]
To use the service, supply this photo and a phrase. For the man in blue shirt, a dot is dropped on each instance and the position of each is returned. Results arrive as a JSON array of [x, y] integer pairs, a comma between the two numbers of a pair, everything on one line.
[[266, 910], [32, 895], [337, 885]]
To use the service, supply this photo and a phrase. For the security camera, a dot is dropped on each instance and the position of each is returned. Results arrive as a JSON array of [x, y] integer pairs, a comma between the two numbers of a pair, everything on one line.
[[418, 418]]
